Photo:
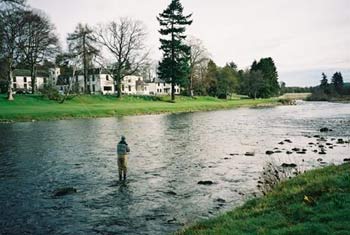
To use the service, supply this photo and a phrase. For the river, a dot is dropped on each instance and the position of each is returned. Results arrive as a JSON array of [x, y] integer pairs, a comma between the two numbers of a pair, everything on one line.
[[170, 155]]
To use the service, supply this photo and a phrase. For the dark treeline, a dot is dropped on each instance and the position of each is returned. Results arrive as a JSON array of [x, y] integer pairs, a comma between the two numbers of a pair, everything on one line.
[[259, 81], [333, 89]]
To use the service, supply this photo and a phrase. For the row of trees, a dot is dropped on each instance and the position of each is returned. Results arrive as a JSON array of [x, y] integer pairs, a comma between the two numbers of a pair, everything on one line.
[[28, 40], [333, 89], [186, 62]]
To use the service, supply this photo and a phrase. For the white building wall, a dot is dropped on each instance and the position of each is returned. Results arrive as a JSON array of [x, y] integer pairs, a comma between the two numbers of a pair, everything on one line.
[[25, 83], [131, 85]]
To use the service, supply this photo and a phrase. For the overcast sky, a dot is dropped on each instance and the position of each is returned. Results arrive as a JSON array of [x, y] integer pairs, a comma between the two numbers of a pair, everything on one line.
[[304, 37]]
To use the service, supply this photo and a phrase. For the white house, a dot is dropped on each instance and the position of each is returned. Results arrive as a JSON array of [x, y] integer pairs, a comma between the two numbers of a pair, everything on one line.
[[22, 81], [100, 81]]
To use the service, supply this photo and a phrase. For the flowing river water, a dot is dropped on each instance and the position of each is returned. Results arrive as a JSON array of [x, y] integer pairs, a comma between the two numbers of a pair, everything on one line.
[[170, 155]]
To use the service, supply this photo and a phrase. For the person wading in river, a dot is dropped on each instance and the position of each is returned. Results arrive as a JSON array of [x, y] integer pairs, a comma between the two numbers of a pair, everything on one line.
[[122, 151]]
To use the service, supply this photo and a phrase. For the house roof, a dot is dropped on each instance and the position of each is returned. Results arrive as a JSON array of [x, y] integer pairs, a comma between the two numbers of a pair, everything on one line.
[[93, 71], [26, 73]]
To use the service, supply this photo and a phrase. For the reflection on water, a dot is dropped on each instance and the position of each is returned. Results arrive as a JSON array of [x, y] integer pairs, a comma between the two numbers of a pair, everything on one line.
[[170, 154]]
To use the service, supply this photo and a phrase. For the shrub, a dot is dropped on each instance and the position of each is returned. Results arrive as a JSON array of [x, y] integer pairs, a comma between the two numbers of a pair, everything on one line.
[[51, 93]]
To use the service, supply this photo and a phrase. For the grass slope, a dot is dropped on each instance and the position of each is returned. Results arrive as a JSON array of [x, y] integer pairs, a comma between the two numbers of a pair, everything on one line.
[[29, 107], [285, 211]]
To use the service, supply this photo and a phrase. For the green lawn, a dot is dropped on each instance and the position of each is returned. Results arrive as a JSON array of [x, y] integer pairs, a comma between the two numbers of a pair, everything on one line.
[[35, 107], [326, 210]]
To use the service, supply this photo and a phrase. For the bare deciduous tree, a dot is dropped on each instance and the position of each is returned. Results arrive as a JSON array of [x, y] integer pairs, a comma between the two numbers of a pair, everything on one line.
[[11, 23], [125, 42], [198, 61], [38, 43]]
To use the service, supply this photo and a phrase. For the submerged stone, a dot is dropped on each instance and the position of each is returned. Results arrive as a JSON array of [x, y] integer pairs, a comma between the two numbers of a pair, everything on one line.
[[205, 182], [325, 129], [64, 191], [220, 200], [251, 154], [289, 165], [172, 193]]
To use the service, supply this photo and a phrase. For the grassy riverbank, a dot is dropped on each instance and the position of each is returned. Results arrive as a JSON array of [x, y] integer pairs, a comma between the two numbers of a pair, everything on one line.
[[326, 210], [33, 107]]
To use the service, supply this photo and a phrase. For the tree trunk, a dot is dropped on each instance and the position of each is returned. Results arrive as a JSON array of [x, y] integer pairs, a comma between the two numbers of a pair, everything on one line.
[[85, 65], [173, 62], [119, 87], [172, 91], [33, 78], [191, 87], [10, 84]]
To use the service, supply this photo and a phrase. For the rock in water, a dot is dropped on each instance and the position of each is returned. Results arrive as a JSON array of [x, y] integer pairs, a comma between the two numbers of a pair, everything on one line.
[[206, 182], [251, 154], [289, 165], [64, 191], [172, 193], [269, 152], [325, 129], [220, 200]]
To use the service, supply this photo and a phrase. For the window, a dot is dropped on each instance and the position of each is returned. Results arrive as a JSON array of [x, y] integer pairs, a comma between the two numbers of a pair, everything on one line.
[[14, 86], [25, 79], [129, 81], [76, 78], [164, 84], [93, 78], [93, 88], [160, 90], [123, 87], [25, 86], [14, 79], [45, 80], [107, 77], [158, 84], [129, 88], [107, 88]]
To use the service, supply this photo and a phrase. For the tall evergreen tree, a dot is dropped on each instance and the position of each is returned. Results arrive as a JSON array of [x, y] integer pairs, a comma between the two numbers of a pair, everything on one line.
[[324, 83], [174, 67], [82, 44], [269, 71], [337, 82]]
